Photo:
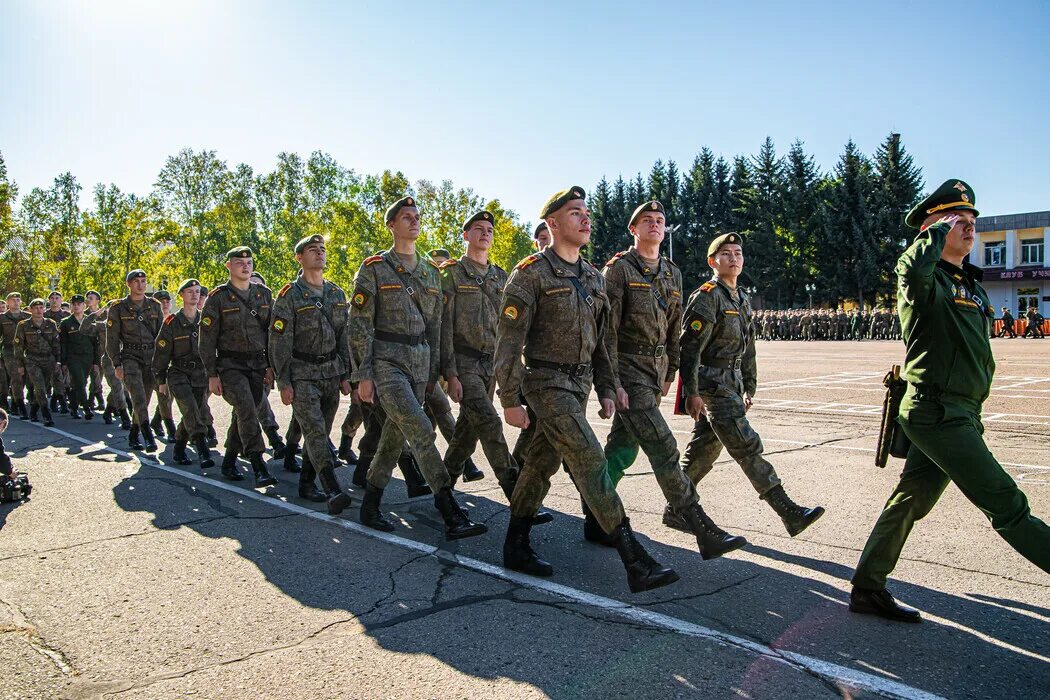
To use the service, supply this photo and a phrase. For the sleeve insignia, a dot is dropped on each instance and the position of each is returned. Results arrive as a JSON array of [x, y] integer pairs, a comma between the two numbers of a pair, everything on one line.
[[359, 299], [109, 322], [510, 312], [696, 325], [278, 326], [206, 320]]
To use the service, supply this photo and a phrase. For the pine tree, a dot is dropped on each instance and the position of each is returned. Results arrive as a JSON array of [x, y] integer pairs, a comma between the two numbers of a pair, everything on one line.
[[849, 228], [802, 222], [898, 187]]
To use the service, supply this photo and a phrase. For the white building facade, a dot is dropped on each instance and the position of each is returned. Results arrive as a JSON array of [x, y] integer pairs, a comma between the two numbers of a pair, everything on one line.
[[1012, 250]]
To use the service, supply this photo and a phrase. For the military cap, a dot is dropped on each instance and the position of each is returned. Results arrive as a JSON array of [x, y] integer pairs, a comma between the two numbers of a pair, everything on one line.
[[241, 251], [478, 216], [301, 245], [92, 291], [953, 195], [37, 302], [133, 274], [77, 297], [722, 240], [256, 275], [187, 283], [162, 294], [204, 291], [13, 295], [394, 208], [652, 205], [542, 226], [560, 199], [439, 253], [54, 293]]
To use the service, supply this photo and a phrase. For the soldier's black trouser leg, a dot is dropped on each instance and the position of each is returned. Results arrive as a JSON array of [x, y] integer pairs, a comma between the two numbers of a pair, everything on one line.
[[79, 370]]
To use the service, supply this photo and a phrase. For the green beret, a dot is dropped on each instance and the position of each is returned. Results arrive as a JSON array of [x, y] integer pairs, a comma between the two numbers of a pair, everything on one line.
[[258, 276], [241, 251], [953, 195], [642, 208], [77, 297], [560, 199], [162, 294], [37, 302], [394, 208], [187, 283], [204, 291], [542, 226], [301, 245], [723, 240], [439, 253], [479, 216], [133, 274], [92, 291]]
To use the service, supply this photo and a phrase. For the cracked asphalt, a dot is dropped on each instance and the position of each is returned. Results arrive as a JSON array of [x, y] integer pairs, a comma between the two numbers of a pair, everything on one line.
[[122, 580]]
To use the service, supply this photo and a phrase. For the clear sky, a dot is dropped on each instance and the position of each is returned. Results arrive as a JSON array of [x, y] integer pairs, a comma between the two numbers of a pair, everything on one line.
[[519, 99]]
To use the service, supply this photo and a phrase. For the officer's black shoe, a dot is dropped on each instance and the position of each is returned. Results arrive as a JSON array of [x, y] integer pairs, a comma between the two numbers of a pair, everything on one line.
[[592, 531], [277, 445], [517, 550], [415, 484], [361, 469], [712, 540], [795, 517], [291, 464], [133, 438], [170, 429], [48, 420], [34, 413], [204, 454], [156, 425], [125, 419], [149, 444], [22, 413], [338, 499], [881, 603], [229, 466], [178, 453], [74, 412], [542, 517], [457, 524], [643, 572], [471, 471], [675, 521], [107, 417], [346, 451], [263, 478], [88, 414], [213, 439], [371, 515], [307, 489]]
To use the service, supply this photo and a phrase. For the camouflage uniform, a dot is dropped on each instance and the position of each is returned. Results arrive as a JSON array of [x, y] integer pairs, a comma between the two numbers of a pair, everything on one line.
[[177, 363], [36, 353], [59, 383], [116, 401], [131, 330], [8, 322]]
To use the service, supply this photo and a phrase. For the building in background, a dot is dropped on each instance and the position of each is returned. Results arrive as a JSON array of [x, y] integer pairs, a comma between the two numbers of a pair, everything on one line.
[[1012, 251]]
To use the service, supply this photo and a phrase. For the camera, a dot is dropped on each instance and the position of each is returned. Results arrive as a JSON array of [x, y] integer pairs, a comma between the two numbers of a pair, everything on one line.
[[15, 487]]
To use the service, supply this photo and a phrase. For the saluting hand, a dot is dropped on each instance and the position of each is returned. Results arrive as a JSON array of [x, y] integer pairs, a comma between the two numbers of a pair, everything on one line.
[[949, 219]]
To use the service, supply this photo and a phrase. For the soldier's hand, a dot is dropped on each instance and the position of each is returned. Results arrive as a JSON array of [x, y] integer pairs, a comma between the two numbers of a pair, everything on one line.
[[345, 388], [949, 219], [666, 388], [516, 416], [608, 409], [748, 402], [623, 400], [119, 371], [215, 385], [455, 389], [268, 377], [694, 406], [287, 395], [162, 389], [366, 389]]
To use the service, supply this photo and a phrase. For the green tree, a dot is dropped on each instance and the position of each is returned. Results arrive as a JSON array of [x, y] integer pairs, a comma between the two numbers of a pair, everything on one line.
[[849, 229], [898, 187]]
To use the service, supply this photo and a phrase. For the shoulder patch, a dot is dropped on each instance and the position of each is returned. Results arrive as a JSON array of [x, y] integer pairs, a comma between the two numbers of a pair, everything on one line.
[[527, 261], [284, 289], [706, 287], [373, 260], [278, 326], [359, 298]]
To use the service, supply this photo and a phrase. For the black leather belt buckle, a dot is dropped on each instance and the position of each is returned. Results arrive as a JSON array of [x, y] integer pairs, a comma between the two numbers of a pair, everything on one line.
[[660, 350], [736, 364]]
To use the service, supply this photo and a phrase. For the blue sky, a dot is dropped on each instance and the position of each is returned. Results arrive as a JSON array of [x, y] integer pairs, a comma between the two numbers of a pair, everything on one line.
[[520, 99]]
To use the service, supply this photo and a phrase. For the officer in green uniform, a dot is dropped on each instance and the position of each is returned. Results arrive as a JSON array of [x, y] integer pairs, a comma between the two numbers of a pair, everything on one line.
[[233, 337], [9, 320], [719, 378], [945, 318], [36, 355], [642, 337], [395, 324], [180, 375], [554, 314], [131, 332], [79, 353], [163, 423], [310, 352]]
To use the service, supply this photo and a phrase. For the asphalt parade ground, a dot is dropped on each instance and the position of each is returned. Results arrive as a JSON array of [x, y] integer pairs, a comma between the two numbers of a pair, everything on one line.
[[126, 577]]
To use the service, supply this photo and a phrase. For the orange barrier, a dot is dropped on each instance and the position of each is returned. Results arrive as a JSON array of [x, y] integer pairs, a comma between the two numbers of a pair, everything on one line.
[[1019, 326]]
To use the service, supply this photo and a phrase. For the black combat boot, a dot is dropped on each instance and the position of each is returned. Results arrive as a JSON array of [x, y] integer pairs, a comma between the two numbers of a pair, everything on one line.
[[48, 420], [156, 426], [213, 439], [178, 453], [517, 551], [34, 413], [371, 515], [346, 451], [263, 478], [415, 484], [457, 524], [712, 540], [338, 499], [133, 438], [277, 445], [88, 413], [204, 454], [542, 517], [125, 419], [795, 517], [53, 405], [307, 489], [361, 469], [881, 603], [148, 442], [63, 405], [291, 464], [107, 416], [592, 530], [22, 412], [74, 409], [675, 521], [229, 466], [471, 471], [170, 429], [643, 572]]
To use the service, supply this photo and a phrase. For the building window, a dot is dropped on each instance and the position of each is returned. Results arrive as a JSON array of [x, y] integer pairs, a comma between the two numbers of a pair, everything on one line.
[[1027, 297], [994, 254], [1032, 251]]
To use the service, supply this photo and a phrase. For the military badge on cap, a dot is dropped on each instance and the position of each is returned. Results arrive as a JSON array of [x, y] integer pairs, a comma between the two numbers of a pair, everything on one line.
[[649, 206], [397, 206], [241, 251], [724, 239], [309, 240], [133, 274], [560, 199], [478, 216], [952, 195]]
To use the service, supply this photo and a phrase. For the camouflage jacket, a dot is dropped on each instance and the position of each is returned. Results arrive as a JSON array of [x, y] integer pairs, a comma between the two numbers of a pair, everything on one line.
[[395, 317], [546, 318], [468, 324], [8, 322], [132, 329], [233, 332], [57, 316], [645, 320], [77, 340], [35, 344], [308, 334], [718, 343], [178, 350]]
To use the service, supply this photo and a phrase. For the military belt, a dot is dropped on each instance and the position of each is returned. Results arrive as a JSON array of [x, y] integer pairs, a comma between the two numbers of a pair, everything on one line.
[[646, 350], [244, 357], [142, 346], [722, 362], [186, 364], [400, 338], [471, 352], [313, 358], [570, 369]]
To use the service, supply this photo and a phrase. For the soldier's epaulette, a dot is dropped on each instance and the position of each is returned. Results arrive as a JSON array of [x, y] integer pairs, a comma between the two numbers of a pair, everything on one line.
[[616, 257], [169, 319], [433, 264], [706, 287], [284, 290], [373, 260], [670, 261], [114, 302], [527, 261]]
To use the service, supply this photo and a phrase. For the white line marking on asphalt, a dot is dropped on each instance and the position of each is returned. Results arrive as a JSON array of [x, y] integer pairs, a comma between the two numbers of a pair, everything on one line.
[[841, 675]]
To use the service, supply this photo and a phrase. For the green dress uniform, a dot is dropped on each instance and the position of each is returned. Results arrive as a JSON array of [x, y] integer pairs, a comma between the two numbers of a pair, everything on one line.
[[9, 320], [59, 383], [177, 363], [37, 353], [946, 319], [79, 351], [131, 332]]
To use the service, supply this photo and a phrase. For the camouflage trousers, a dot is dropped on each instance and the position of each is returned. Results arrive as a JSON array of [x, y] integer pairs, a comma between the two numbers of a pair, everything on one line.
[[190, 400], [355, 417], [117, 400], [478, 420], [643, 426], [138, 379], [401, 398], [95, 386], [59, 382], [16, 381], [726, 425], [164, 406], [439, 409], [243, 390], [39, 373], [313, 410], [562, 432]]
